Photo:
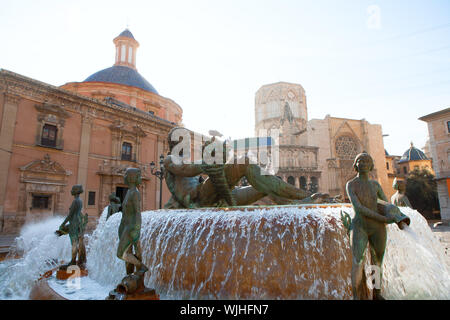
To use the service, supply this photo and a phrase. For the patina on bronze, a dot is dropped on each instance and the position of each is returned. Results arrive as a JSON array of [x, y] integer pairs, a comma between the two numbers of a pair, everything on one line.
[[372, 213], [75, 225], [114, 205], [129, 250], [130, 225], [220, 188], [399, 198]]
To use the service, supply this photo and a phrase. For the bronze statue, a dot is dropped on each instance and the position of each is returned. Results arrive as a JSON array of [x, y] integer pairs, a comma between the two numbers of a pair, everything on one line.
[[76, 227], [132, 285], [399, 198], [114, 205], [130, 225], [372, 213], [220, 188]]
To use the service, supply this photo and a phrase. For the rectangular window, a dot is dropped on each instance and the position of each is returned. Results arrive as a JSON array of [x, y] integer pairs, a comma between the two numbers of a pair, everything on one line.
[[405, 171], [130, 54], [91, 198], [448, 126], [49, 133], [126, 151], [387, 165], [40, 202], [123, 53]]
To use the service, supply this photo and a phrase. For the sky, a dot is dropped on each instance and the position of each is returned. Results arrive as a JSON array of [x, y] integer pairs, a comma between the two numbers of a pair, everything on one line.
[[384, 61]]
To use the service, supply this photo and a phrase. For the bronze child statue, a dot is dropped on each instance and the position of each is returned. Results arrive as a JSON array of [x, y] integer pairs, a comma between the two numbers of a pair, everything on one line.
[[132, 286], [130, 225], [372, 213], [114, 205], [399, 198], [76, 226]]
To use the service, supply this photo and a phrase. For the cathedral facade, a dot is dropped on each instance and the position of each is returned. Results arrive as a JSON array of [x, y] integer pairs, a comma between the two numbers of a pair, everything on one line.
[[85, 133], [317, 154]]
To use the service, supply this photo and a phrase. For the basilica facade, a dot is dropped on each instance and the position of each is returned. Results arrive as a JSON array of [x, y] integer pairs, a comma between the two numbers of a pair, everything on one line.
[[316, 154], [84, 133]]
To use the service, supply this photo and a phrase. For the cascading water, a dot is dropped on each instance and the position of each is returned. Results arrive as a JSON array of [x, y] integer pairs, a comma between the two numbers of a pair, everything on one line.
[[263, 253], [234, 254], [41, 249]]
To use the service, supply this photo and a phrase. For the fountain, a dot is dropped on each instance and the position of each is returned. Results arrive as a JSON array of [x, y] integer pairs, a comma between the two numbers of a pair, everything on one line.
[[279, 252], [198, 250]]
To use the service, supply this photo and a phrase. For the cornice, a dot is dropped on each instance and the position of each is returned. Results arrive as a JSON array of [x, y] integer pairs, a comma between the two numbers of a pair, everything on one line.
[[12, 98], [53, 109], [13, 84]]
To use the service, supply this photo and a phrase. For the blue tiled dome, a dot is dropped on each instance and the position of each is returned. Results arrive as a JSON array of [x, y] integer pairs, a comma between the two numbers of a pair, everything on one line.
[[413, 154], [122, 75]]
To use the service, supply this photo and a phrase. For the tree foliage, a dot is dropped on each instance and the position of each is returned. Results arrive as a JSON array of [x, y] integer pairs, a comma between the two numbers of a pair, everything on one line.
[[421, 190]]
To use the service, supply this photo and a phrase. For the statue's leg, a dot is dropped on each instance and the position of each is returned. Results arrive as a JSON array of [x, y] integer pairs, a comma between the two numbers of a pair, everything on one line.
[[124, 250], [129, 267], [138, 254], [207, 192], [377, 242], [359, 244], [272, 185], [81, 252], [173, 204], [246, 195], [75, 243]]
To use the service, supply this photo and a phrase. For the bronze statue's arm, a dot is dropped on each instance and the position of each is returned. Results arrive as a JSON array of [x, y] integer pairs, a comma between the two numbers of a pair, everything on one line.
[[380, 193], [362, 209], [185, 170]]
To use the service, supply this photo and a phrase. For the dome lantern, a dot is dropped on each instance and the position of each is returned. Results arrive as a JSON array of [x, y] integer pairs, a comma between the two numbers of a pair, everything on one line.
[[126, 47]]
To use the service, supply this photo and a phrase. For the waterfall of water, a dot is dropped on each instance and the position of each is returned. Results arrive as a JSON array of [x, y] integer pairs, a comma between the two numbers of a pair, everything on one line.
[[274, 253], [259, 253], [41, 250], [414, 262]]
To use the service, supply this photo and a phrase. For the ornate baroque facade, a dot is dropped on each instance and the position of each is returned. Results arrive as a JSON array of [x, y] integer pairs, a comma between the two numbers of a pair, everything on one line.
[[81, 133]]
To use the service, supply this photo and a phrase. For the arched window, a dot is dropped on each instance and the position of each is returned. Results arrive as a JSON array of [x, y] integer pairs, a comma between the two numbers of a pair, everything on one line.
[[127, 151], [49, 133], [291, 180]]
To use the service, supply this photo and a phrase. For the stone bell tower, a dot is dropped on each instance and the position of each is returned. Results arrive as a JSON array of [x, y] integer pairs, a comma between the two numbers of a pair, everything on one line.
[[282, 106]]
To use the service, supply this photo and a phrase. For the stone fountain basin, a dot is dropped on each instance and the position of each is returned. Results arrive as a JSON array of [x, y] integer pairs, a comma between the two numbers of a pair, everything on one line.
[[275, 252]]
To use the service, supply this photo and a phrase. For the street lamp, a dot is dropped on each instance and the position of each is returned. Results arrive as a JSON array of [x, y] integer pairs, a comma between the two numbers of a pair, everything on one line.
[[159, 174]]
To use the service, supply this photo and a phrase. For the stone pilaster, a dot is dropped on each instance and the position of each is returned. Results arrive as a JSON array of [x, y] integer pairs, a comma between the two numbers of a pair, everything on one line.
[[8, 125], [83, 160]]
